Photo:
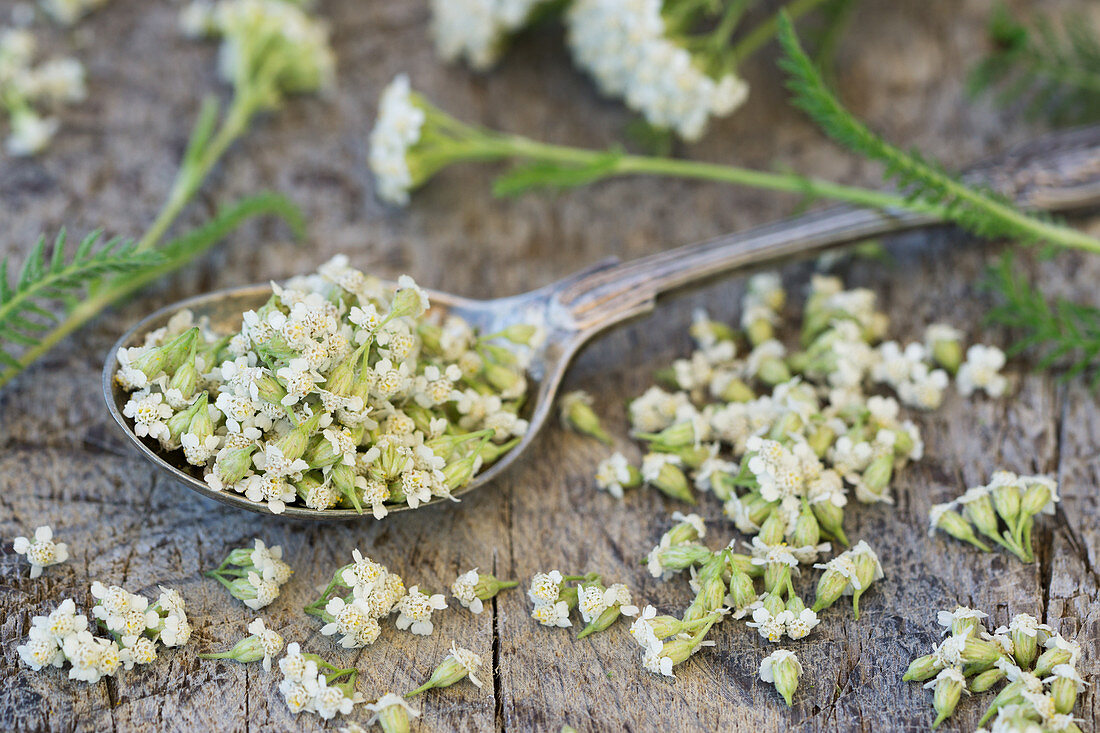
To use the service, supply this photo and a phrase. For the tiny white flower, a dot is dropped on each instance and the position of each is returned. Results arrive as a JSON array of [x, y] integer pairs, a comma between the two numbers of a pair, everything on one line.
[[42, 551]]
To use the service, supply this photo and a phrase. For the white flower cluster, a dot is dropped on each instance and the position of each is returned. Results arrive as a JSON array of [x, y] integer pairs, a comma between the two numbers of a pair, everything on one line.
[[364, 592], [476, 30], [624, 46], [599, 606], [254, 575], [803, 424], [26, 86], [473, 588], [396, 130], [68, 12], [1003, 511], [134, 626], [41, 551], [307, 688], [275, 39], [337, 391], [1038, 665]]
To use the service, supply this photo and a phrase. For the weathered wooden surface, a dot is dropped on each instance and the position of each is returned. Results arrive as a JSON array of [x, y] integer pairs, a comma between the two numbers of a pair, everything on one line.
[[62, 463]]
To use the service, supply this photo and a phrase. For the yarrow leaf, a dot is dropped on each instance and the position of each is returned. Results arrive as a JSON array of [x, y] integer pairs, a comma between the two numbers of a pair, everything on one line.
[[554, 175], [25, 306]]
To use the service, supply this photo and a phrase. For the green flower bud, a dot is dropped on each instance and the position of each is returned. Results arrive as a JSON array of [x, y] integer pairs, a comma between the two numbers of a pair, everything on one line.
[[678, 557], [948, 353], [776, 576], [407, 302], [922, 668], [951, 522], [293, 445], [520, 333], [458, 665], [736, 390], [577, 414], [1024, 648], [1006, 500], [979, 510], [722, 484], [169, 356], [782, 669], [712, 589], [986, 680], [488, 586], [1063, 690], [948, 689], [503, 379], [830, 517], [233, 464], [773, 372], [903, 443], [181, 421], [201, 424], [392, 713], [830, 587], [490, 452], [773, 529], [1050, 659], [680, 649], [741, 563], [773, 603], [686, 530], [1009, 694], [693, 456], [675, 436], [269, 389], [807, 531], [672, 482], [742, 593], [981, 652], [343, 481], [821, 440], [1037, 495], [757, 507], [877, 476], [245, 651], [759, 331], [186, 379]]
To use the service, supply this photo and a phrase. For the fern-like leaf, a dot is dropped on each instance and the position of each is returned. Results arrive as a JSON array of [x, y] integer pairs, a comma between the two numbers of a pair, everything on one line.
[[1046, 70], [1062, 334], [31, 305], [976, 209]]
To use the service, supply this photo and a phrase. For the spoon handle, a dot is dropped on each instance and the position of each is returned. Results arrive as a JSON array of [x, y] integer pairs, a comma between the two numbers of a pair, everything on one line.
[[1057, 172]]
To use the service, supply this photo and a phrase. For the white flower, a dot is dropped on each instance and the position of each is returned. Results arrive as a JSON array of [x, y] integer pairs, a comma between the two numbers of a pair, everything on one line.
[[768, 663], [415, 611], [947, 619], [270, 641], [652, 463], [176, 629], [468, 660], [42, 551], [770, 627], [364, 572], [395, 131], [464, 589], [545, 587], [552, 614], [270, 489], [981, 370], [655, 663], [387, 701], [30, 133], [149, 413], [800, 626], [266, 591], [476, 30], [67, 12], [612, 473]]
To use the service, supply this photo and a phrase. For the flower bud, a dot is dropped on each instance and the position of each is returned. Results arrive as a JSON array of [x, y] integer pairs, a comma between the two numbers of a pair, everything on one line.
[[830, 517], [981, 513], [1064, 688], [948, 354], [186, 379], [168, 357], [821, 440], [503, 379], [951, 522], [1009, 694], [712, 589], [773, 529], [244, 651], [409, 301], [675, 436], [672, 482], [1025, 647], [341, 378], [830, 587], [269, 389], [782, 669], [949, 685], [458, 665], [343, 481], [986, 680], [680, 557], [520, 333], [807, 531], [742, 593], [981, 652], [201, 424], [735, 390], [740, 563], [577, 413], [1037, 496], [1050, 659], [1006, 500], [233, 464], [293, 445], [759, 331], [877, 476], [776, 577], [181, 421], [488, 586], [773, 372], [922, 668]]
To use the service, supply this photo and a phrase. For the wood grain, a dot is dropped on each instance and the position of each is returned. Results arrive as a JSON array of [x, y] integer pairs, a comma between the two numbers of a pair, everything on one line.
[[61, 462]]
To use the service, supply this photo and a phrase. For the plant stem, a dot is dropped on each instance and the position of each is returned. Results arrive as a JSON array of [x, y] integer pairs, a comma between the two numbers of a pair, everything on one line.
[[764, 32], [678, 168]]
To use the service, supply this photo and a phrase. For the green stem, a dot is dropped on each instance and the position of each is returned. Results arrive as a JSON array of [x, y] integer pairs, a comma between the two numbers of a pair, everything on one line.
[[764, 32], [217, 655], [679, 168], [221, 580]]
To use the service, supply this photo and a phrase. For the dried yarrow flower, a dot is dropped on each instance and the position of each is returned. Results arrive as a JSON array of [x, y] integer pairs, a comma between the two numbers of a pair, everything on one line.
[[42, 551]]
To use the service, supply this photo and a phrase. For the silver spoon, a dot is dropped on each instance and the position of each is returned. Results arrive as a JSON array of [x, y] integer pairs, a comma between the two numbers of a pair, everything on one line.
[[1059, 172]]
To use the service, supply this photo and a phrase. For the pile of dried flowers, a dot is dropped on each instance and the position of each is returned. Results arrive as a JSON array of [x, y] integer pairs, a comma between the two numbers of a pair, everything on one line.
[[1042, 686], [338, 391]]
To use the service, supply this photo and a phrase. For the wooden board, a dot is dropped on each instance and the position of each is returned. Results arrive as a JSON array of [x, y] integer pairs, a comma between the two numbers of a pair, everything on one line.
[[63, 463]]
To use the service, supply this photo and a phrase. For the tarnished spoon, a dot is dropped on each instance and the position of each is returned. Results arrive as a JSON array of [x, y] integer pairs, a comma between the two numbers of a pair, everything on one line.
[[1058, 172]]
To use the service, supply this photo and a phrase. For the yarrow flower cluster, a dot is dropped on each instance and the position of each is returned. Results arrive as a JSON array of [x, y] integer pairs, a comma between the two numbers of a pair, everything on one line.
[[1038, 664], [802, 424], [133, 627], [68, 12], [472, 588], [310, 684], [273, 45], [553, 600], [42, 551], [628, 48], [253, 575], [477, 31], [338, 391], [27, 87], [364, 592], [1008, 501]]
